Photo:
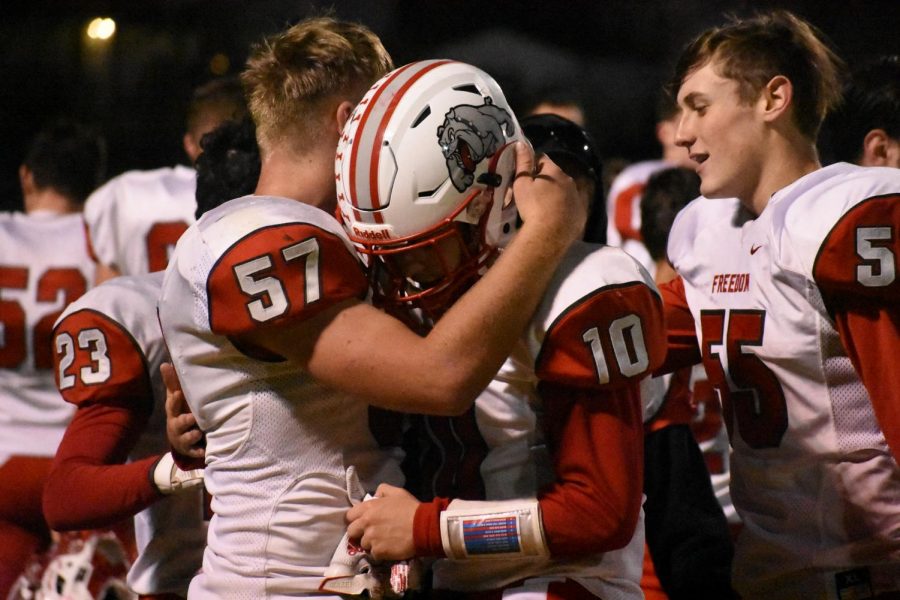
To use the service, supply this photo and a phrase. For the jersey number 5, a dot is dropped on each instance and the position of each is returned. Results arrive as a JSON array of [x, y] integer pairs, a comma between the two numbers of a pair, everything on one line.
[[747, 388], [269, 297], [878, 268]]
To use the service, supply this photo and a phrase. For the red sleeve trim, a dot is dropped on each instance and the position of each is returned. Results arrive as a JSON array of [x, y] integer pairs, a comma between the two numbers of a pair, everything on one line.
[[683, 350], [98, 361], [427, 528], [278, 275], [585, 339], [857, 271]]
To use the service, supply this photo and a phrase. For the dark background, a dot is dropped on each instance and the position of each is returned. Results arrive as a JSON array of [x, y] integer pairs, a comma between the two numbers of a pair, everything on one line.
[[613, 54]]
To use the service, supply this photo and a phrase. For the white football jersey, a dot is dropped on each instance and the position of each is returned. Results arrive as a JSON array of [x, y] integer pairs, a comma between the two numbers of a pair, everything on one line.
[[623, 209], [599, 327], [111, 348], [278, 445], [813, 478], [135, 219], [44, 265]]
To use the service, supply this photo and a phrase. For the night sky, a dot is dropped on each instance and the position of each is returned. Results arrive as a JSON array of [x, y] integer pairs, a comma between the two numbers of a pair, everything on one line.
[[613, 54]]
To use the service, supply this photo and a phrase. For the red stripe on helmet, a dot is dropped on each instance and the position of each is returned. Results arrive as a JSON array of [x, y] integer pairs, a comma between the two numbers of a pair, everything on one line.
[[354, 153], [379, 136]]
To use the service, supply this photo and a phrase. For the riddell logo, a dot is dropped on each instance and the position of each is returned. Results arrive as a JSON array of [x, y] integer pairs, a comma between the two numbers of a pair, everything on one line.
[[381, 234]]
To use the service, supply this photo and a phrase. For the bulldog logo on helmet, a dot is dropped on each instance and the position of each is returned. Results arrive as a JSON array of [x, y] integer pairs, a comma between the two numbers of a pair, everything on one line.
[[469, 135]]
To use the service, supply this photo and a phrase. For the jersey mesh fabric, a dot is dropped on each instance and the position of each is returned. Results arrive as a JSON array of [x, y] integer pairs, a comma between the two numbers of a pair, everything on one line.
[[278, 444]]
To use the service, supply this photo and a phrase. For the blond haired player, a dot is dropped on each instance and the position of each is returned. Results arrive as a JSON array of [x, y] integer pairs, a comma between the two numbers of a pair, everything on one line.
[[277, 351], [44, 265]]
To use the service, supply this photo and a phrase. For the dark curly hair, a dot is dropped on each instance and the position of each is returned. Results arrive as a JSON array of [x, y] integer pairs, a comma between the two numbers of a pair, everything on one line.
[[229, 165]]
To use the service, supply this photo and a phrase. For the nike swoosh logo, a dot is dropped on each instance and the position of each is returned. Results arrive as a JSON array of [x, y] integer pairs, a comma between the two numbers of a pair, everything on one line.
[[753, 249]]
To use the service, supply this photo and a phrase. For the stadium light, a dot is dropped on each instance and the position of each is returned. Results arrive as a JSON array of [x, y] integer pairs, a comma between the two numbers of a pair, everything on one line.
[[101, 28]]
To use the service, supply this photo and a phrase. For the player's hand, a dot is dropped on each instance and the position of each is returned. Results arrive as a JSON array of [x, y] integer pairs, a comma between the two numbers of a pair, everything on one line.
[[170, 479], [184, 435], [546, 196], [384, 524]]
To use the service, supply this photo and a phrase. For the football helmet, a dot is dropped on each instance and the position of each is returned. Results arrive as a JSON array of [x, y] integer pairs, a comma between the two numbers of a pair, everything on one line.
[[422, 170], [574, 150], [91, 567]]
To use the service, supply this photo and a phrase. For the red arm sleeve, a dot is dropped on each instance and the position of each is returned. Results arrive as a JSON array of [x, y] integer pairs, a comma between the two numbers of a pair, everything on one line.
[[681, 336], [590, 365], [88, 486], [598, 454], [857, 272], [101, 369], [596, 439]]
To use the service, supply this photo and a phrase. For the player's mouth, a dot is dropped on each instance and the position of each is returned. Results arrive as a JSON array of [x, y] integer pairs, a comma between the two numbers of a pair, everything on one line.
[[699, 158]]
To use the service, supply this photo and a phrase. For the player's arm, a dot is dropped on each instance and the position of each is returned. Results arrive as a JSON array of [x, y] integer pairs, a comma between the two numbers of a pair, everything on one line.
[[857, 270], [361, 350], [590, 388], [592, 506], [100, 368], [89, 485], [681, 335]]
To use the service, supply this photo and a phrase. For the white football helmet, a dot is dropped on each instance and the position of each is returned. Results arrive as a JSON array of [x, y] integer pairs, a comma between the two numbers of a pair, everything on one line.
[[90, 568], [428, 150]]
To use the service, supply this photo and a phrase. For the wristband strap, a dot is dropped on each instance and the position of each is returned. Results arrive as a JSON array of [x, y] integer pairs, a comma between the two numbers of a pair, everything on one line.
[[485, 530]]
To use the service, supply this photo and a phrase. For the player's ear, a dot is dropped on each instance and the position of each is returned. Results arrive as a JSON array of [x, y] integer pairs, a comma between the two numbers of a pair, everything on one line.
[[776, 97], [191, 147], [877, 149], [344, 110], [26, 180]]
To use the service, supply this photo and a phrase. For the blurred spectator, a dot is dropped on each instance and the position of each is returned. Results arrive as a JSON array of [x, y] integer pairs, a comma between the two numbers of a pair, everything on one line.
[[135, 219], [624, 201], [865, 129], [687, 532], [44, 265]]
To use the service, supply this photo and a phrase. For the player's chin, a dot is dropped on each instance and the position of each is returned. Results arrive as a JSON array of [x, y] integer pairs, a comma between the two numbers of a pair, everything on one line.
[[710, 188]]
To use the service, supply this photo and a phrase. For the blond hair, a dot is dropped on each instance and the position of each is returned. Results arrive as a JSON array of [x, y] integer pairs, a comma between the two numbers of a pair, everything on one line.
[[753, 51], [291, 76]]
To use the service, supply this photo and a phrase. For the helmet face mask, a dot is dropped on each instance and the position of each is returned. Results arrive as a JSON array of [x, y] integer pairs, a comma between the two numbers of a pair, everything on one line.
[[427, 156], [91, 566], [431, 272]]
